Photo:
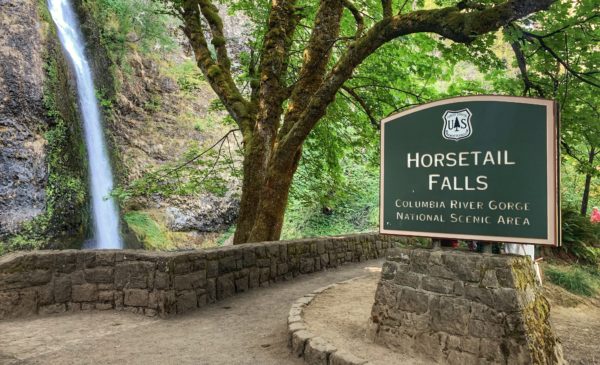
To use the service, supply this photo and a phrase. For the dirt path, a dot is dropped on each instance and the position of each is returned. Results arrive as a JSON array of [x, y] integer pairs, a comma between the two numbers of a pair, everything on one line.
[[579, 331], [247, 329], [340, 316]]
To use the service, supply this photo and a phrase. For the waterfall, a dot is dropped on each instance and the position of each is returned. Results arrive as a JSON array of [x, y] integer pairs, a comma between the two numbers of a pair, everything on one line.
[[104, 209]]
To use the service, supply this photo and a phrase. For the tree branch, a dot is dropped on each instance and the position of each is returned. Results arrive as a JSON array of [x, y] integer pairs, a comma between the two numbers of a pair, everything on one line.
[[315, 59], [363, 105], [450, 22], [360, 24], [211, 14], [570, 152], [218, 76], [540, 40], [386, 6], [522, 63]]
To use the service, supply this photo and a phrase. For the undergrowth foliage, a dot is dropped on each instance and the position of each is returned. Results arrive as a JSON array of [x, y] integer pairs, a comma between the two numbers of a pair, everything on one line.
[[580, 280], [580, 237]]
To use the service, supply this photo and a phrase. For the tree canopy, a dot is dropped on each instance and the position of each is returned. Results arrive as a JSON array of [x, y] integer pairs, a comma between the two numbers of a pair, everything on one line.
[[316, 78]]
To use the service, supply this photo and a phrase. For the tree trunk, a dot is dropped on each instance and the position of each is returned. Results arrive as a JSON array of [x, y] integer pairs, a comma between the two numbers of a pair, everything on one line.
[[588, 181], [262, 209]]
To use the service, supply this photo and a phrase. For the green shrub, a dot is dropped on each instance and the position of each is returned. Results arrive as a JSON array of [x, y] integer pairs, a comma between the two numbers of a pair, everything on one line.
[[147, 230], [579, 236], [579, 280]]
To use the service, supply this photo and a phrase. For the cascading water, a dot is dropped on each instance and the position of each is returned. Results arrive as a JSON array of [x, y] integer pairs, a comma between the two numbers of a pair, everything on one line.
[[105, 213]]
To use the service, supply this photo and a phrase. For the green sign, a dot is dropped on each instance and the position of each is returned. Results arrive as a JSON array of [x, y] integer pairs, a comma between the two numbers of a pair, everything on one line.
[[476, 167]]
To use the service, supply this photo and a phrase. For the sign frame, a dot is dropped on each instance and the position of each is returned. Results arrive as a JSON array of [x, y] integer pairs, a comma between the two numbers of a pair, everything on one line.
[[552, 168]]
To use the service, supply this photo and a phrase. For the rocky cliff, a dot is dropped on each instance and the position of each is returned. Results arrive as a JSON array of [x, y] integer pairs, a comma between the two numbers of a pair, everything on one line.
[[42, 172], [22, 145], [156, 107]]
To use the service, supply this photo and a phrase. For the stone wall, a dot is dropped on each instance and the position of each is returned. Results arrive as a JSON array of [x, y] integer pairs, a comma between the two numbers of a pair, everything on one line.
[[463, 308], [165, 283]]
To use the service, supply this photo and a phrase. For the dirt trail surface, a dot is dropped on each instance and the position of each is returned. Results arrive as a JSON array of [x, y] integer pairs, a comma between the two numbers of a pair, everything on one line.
[[340, 315], [250, 328], [579, 331]]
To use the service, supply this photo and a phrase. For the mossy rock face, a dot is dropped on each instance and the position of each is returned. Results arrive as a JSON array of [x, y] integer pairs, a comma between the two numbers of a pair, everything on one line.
[[461, 307], [543, 345], [59, 212]]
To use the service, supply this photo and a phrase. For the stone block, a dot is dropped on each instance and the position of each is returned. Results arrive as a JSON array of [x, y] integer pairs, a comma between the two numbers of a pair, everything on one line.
[[212, 268], [282, 269], [135, 297], [307, 265], [167, 302], [202, 299], [73, 307], [254, 278], [189, 281], [489, 279], [341, 357], [249, 257], [260, 251], [484, 329], [412, 300], [198, 261], [317, 351], [241, 284], [66, 262], [104, 258], [461, 358], [183, 266], [272, 250], [106, 296], [409, 279], [324, 258], [211, 290], [86, 306], [225, 286], [84, 293], [263, 263], [438, 285], [153, 299], [265, 275], [479, 294], [505, 278], [449, 315], [186, 301], [53, 308], [299, 340], [162, 280], [104, 306], [119, 298], [77, 277], [227, 264], [45, 294], [99, 275], [18, 304], [134, 274]]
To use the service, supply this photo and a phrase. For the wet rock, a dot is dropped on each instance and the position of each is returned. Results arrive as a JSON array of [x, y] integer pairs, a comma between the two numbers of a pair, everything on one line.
[[22, 116], [209, 213]]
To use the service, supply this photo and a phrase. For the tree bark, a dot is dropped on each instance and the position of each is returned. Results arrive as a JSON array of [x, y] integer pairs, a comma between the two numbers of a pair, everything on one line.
[[588, 181]]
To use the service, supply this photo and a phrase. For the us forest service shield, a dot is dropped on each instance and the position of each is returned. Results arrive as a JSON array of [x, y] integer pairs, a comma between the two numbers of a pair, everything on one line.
[[457, 124]]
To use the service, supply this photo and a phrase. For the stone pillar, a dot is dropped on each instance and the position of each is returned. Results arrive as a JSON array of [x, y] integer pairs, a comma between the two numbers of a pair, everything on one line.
[[457, 307]]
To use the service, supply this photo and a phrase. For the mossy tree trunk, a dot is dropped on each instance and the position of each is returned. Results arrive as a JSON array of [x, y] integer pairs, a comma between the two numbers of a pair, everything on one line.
[[278, 115]]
